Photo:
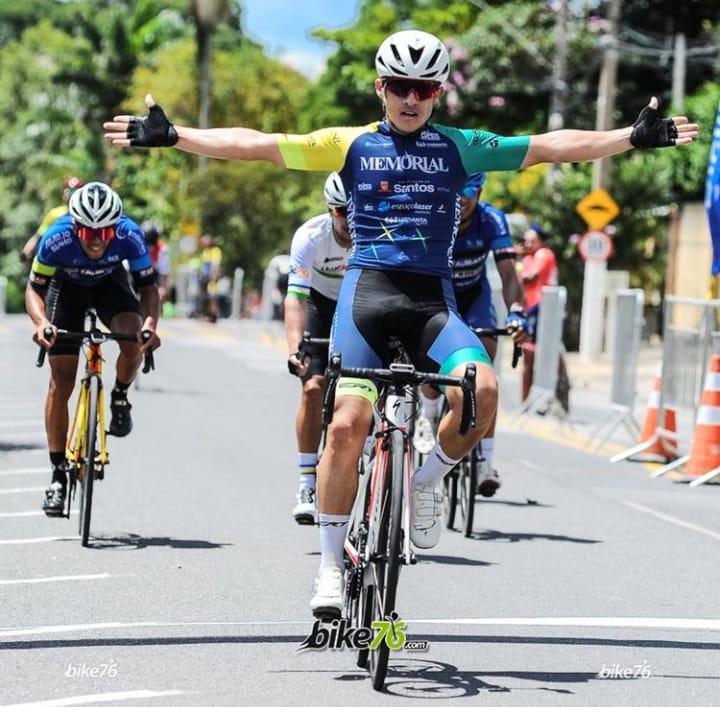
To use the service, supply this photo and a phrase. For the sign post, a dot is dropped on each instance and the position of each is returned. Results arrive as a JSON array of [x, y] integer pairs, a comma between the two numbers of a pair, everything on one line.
[[597, 209]]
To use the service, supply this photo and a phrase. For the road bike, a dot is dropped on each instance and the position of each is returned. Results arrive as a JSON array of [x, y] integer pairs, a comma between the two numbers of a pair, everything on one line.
[[378, 538], [86, 448], [461, 484]]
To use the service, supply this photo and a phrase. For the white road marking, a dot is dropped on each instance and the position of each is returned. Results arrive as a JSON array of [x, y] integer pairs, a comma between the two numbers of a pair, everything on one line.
[[24, 489], [99, 697], [28, 470], [573, 621], [60, 578], [13, 452], [23, 423], [29, 541], [529, 465], [672, 519]]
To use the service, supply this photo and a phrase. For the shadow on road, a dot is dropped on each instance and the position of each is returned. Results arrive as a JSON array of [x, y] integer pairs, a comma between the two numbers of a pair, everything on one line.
[[517, 537], [453, 560], [131, 541], [20, 446], [527, 503]]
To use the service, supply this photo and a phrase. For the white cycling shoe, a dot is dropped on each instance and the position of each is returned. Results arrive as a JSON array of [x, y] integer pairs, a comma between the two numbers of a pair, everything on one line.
[[425, 525], [488, 479], [424, 437], [305, 511], [328, 596]]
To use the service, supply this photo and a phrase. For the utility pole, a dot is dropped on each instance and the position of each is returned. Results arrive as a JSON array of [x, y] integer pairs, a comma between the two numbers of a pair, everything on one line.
[[556, 119], [680, 60], [595, 278]]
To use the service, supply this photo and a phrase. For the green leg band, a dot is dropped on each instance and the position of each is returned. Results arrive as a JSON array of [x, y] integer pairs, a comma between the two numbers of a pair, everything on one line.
[[358, 387]]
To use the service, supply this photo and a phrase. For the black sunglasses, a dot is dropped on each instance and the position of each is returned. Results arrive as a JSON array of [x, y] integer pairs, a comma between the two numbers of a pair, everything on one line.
[[402, 87]]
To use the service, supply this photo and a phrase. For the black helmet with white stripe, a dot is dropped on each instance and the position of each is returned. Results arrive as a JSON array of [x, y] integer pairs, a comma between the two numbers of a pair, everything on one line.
[[413, 54], [95, 205]]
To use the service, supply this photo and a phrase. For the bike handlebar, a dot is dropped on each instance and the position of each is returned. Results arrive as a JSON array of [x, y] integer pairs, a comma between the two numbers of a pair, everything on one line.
[[303, 352], [97, 337], [400, 375], [517, 349]]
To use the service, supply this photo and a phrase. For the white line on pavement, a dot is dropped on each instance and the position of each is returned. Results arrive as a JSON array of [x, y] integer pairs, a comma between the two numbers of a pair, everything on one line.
[[100, 697], [573, 621], [28, 470], [29, 514], [63, 578], [23, 423], [13, 452], [24, 489], [28, 541], [672, 519]]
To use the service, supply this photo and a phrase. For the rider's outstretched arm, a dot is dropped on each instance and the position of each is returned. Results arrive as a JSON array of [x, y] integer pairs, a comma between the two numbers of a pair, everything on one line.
[[156, 130], [649, 130]]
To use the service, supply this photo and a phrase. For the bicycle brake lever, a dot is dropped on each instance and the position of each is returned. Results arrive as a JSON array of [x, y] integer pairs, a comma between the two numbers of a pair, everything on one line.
[[47, 333], [517, 352], [149, 359], [469, 411]]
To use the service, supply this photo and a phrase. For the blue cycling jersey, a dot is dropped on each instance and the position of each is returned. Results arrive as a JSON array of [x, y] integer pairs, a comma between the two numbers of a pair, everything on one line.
[[404, 189], [487, 231], [60, 254]]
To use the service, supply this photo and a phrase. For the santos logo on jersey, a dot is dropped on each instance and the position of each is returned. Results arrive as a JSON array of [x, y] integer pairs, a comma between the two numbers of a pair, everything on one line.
[[427, 165]]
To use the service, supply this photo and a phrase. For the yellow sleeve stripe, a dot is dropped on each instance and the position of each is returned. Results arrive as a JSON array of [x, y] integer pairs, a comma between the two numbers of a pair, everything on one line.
[[322, 150], [42, 269]]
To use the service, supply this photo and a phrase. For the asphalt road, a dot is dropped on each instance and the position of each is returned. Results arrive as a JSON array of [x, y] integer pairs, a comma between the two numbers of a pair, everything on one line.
[[584, 583]]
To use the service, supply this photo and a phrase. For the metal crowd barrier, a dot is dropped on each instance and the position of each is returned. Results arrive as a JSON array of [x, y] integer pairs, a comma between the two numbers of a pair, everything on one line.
[[3, 295], [628, 324], [690, 334], [548, 348]]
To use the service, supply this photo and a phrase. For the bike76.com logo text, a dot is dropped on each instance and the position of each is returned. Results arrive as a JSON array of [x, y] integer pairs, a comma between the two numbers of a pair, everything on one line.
[[340, 635]]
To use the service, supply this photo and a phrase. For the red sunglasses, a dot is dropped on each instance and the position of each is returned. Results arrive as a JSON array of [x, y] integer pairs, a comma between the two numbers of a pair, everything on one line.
[[86, 233], [402, 87]]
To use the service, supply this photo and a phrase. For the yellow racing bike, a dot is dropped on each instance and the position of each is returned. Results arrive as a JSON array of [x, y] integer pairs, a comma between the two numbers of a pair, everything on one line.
[[86, 449]]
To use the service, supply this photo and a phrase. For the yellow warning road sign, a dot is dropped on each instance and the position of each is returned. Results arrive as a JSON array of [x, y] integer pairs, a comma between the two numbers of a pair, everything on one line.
[[598, 208]]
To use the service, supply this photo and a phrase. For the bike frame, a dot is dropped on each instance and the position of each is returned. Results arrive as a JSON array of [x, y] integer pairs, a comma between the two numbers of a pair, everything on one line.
[[76, 449], [392, 429]]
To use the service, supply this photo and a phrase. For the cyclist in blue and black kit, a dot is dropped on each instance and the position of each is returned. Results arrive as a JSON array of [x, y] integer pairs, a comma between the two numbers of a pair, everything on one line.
[[79, 264], [404, 177], [483, 230]]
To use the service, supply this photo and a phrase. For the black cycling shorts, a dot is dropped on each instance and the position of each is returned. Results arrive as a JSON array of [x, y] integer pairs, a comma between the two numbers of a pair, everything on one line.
[[418, 309], [318, 322], [66, 302]]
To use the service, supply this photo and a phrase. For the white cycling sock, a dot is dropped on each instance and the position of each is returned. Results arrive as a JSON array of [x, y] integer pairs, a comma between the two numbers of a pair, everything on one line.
[[307, 463], [332, 539], [487, 446], [431, 407], [434, 468]]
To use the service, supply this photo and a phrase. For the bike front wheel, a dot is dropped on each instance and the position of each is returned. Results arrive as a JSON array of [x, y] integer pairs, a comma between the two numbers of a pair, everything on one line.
[[88, 462], [468, 487], [385, 570]]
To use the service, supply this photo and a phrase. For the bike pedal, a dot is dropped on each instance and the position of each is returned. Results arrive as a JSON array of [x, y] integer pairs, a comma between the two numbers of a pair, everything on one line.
[[413, 560]]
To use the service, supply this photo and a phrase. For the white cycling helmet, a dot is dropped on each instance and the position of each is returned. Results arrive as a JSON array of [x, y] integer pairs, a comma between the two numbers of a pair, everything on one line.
[[95, 205], [334, 191], [413, 54]]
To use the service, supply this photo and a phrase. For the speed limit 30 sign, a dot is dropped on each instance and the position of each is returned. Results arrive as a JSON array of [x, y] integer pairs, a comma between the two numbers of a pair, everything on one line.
[[595, 246]]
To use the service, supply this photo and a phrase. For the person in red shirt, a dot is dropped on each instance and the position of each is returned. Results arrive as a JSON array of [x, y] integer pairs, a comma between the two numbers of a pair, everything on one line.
[[539, 269]]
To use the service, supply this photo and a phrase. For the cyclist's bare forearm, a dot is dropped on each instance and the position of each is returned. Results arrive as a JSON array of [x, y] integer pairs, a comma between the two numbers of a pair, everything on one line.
[[230, 144], [35, 306], [295, 317], [150, 306], [511, 287]]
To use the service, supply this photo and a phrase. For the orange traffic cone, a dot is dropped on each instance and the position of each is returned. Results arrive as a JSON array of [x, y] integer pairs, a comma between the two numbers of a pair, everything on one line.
[[664, 447], [705, 451]]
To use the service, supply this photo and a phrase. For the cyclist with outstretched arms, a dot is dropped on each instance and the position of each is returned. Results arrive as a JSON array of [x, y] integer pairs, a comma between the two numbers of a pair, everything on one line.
[[78, 265], [318, 260], [404, 176], [483, 230]]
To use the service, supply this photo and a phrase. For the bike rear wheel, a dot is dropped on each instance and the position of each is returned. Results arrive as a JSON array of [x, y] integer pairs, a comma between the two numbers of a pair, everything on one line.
[[450, 498], [385, 571], [468, 487], [89, 461]]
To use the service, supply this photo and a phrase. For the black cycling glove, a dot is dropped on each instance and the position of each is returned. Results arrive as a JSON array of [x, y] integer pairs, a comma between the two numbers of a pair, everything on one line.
[[152, 130], [651, 131]]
